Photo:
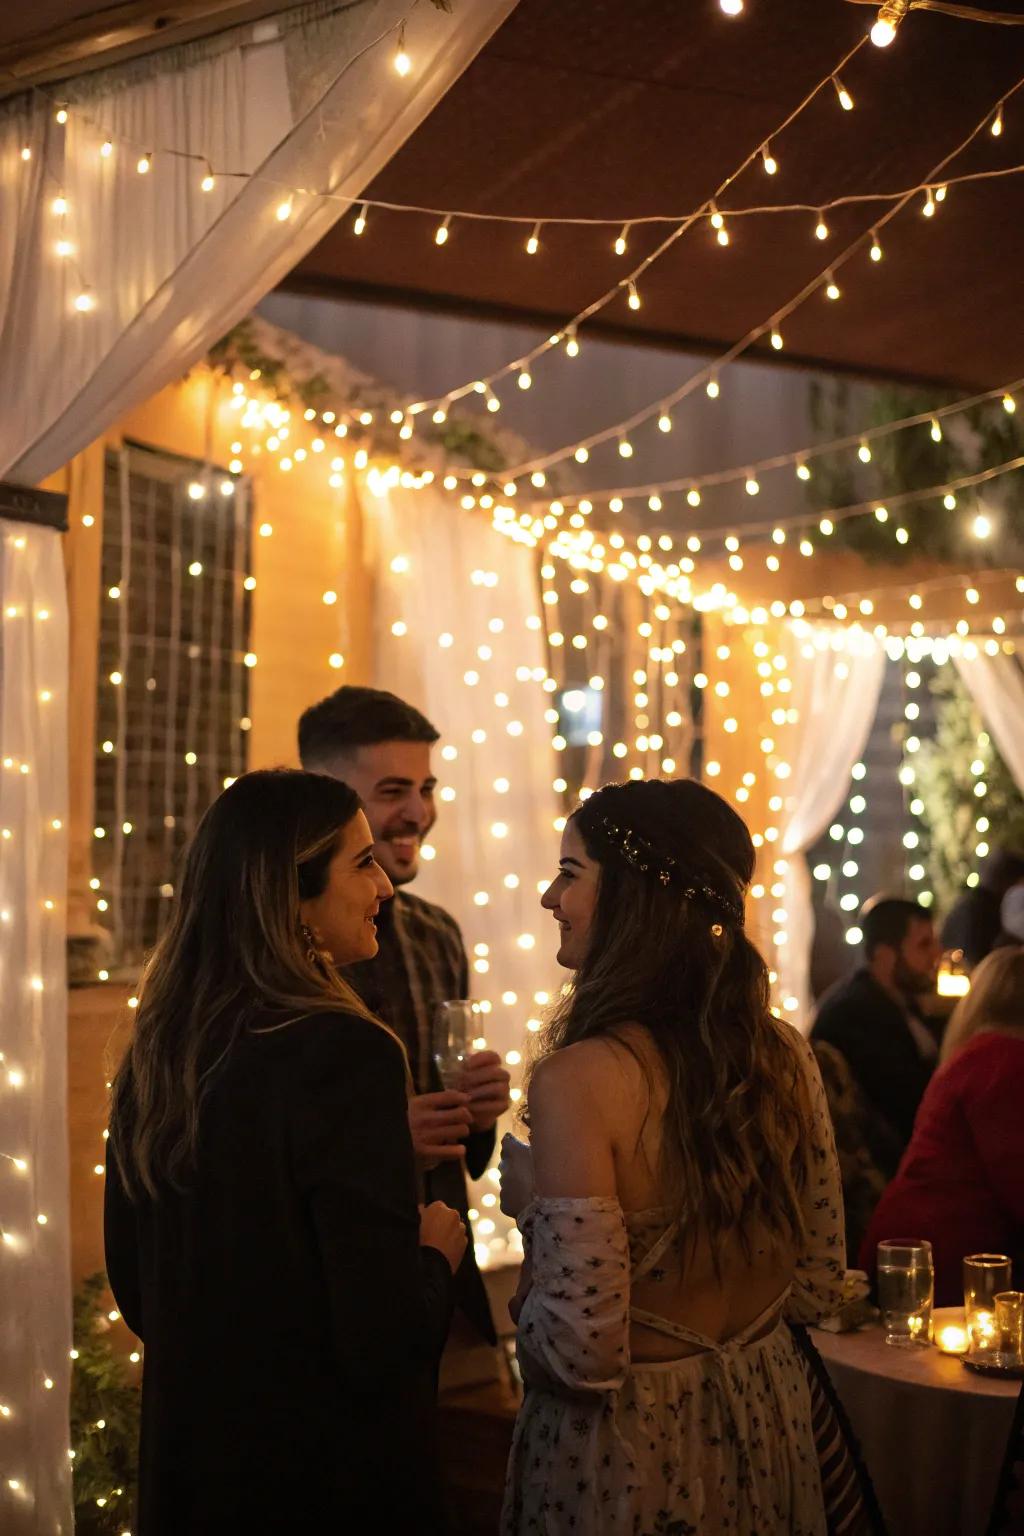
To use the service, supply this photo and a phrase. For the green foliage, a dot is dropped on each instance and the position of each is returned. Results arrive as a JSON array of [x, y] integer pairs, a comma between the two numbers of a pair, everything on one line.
[[946, 784], [103, 1392], [910, 460]]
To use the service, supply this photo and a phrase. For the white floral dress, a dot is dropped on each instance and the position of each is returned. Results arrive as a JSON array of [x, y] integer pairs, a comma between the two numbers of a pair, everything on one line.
[[718, 1442]]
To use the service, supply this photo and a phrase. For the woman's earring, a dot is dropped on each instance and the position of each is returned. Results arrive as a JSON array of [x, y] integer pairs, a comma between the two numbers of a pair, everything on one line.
[[312, 953]]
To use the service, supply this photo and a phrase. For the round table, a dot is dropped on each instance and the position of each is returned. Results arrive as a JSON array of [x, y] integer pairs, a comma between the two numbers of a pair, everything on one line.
[[933, 1434]]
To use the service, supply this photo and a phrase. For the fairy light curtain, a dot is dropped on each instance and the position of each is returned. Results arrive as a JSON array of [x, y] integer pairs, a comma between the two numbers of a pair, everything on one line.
[[35, 1305], [120, 266], [460, 635], [996, 683]]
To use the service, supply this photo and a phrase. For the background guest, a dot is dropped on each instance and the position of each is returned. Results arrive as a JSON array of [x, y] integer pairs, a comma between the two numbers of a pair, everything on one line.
[[873, 1019], [262, 1231], [961, 1183], [973, 922], [381, 746]]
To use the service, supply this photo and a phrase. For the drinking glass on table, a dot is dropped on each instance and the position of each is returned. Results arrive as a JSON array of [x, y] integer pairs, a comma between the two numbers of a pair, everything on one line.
[[985, 1274], [1010, 1327], [906, 1290], [456, 1026]]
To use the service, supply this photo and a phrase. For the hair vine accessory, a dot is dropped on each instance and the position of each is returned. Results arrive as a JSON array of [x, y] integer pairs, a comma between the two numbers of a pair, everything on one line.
[[642, 855]]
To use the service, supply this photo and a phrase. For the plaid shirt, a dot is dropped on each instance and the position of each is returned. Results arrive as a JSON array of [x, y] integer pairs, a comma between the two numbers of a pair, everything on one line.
[[421, 961]]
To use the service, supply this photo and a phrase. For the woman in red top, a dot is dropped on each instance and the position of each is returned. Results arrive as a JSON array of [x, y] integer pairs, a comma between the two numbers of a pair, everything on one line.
[[961, 1181]]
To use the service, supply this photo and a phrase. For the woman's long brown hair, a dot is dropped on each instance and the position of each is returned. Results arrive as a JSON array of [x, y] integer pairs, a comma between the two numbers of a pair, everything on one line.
[[233, 951], [734, 1138]]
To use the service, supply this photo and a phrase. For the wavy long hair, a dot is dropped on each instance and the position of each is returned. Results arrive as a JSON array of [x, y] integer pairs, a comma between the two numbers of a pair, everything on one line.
[[233, 950], [671, 954], [995, 1001]]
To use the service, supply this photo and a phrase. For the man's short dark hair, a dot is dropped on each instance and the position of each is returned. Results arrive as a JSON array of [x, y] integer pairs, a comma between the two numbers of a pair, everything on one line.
[[357, 717], [887, 920]]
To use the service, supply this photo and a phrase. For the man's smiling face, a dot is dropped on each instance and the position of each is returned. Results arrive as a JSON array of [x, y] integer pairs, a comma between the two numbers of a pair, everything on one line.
[[395, 783]]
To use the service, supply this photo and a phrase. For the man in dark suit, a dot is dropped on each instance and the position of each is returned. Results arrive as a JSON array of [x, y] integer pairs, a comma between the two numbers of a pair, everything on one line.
[[873, 1018], [381, 747]]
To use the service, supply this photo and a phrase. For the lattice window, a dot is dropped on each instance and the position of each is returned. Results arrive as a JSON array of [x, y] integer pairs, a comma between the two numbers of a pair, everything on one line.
[[173, 693]]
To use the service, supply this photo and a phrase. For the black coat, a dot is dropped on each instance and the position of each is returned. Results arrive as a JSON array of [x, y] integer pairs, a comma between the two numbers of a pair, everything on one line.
[[292, 1323], [859, 1018]]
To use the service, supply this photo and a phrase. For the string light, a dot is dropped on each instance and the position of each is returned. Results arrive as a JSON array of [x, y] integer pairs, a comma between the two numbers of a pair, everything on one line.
[[776, 339], [441, 232], [996, 126], [821, 229], [284, 210], [359, 222], [208, 182], [402, 61], [622, 240], [107, 149], [845, 99], [832, 289], [533, 241], [634, 297], [889, 17], [144, 164], [731, 7], [876, 247], [768, 160], [928, 208]]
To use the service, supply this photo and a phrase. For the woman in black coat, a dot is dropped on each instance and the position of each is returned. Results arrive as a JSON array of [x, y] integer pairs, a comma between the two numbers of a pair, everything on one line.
[[262, 1231]]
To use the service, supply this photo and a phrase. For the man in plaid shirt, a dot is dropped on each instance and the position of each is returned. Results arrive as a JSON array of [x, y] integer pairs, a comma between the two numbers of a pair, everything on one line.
[[381, 747]]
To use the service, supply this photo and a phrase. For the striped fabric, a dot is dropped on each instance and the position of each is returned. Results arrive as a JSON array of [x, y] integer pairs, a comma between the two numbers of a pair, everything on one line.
[[851, 1506]]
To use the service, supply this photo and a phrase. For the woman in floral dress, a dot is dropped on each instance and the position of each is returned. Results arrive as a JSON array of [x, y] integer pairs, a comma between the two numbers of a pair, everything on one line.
[[683, 1202]]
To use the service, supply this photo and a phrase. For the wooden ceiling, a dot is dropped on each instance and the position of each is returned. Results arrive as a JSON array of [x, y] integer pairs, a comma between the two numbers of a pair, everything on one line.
[[620, 108]]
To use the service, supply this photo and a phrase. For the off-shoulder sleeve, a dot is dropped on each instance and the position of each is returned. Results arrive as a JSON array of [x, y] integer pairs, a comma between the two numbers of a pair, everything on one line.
[[574, 1324], [821, 1266]]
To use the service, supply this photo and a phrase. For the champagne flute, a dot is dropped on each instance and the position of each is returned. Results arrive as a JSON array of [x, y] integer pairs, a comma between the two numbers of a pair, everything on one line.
[[456, 1026]]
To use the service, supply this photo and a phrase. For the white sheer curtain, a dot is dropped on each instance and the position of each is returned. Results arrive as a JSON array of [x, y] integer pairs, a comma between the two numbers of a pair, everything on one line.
[[837, 678], [996, 684], [460, 636], [35, 1306], [171, 267]]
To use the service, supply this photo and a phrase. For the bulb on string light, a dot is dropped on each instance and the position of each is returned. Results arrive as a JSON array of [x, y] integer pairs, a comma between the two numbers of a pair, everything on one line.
[[622, 241], [928, 207], [845, 99], [402, 61], [664, 422], [572, 345], [752, 485], [84, 302], [821, 230], [776, 339], [864, 453], [996, 126], [493, 403], [106, 149], [59, 205], [62, 115], [1009, 404], [889, 17], [144, 164], [693, 499], [803, 472], [832, 288], [981, 527], [64, 248], [731, 7], [524, 379], [26, 153], [768, 160], [582, 454], [876, 247], [208, 182], [949, 501], [284, 211], [625, 448], [441, 232], [936, 430], [634, 298], [941, 193], [712, 388], [533, 242]]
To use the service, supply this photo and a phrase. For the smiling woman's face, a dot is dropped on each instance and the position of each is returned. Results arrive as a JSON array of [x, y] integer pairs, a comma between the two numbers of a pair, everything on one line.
[[571, 898], [342, 916]]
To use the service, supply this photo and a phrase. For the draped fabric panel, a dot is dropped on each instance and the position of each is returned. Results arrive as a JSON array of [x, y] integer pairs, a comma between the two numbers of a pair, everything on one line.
[[171, 267], [35, 1308], [837, 678], [996, 684], [459, 635]]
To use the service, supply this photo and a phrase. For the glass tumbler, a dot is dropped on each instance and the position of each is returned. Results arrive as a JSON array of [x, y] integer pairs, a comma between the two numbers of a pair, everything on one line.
[[985, 1275], [906, 1290]]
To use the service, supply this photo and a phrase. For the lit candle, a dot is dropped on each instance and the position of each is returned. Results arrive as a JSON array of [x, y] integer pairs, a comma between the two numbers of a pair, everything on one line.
[[952, 1339]]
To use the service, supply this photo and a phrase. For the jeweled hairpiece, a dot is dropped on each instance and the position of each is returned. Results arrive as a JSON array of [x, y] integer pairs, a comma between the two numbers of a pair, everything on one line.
[[642, 855]]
